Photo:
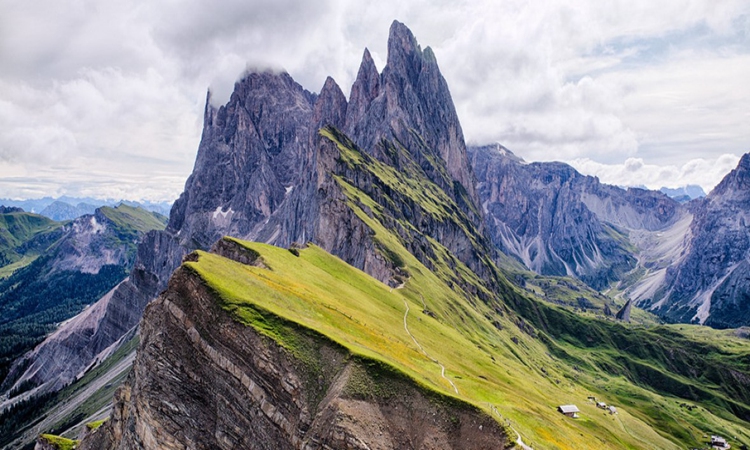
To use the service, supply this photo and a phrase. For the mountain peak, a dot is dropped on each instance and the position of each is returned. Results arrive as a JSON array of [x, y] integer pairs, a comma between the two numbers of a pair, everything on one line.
[[737, 181], [330, 106], [401, 40], [364, 90], [744, 162], [404, 53]]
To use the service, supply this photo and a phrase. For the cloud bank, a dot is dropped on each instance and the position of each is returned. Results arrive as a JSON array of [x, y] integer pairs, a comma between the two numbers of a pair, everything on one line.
[[706, 173], [106, 99]]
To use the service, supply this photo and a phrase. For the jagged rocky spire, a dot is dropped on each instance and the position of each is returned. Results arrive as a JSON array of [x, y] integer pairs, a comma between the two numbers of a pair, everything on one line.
[[330, 106], [409, 103], [364, 90]]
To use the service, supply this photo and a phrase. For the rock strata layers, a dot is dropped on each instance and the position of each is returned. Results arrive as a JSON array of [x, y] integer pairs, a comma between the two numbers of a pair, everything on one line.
[[203, 380]]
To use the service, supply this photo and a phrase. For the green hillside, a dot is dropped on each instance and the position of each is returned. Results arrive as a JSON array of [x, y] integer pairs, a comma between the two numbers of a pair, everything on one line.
[[498, 366], [130, 219], [17, 229]]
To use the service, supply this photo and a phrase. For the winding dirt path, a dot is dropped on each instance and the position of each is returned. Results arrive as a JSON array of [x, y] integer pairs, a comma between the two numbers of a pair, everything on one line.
[[519, 441], [442, 367]]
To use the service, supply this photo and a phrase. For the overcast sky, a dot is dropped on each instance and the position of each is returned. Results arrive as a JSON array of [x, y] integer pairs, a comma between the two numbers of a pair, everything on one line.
[[105, 99]]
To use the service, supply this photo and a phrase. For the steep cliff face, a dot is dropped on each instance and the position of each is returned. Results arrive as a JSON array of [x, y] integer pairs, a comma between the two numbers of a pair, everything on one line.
[[249, 159], [710, 285], [203, 380], [559, 222]]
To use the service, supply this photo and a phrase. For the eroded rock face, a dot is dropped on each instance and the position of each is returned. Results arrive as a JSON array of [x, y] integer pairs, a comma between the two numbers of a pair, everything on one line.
[[710, 285], [250, 157], [559, 222], [84, 247], [203, 380]]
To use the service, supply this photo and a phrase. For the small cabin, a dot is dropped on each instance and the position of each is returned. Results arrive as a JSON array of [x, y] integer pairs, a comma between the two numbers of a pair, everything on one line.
[[719, 442], [569, 410]]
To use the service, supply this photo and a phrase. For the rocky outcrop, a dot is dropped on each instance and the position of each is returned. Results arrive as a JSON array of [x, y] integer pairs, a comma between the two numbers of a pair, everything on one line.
[[624, 313], [203, 380], [559, 222], [44, 444], [711, 285]]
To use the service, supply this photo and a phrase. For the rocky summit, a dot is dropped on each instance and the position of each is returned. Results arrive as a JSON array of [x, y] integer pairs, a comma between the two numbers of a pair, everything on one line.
[[336, 275]]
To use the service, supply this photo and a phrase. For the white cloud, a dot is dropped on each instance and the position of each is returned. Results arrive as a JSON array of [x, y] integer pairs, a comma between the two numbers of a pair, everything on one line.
[[104, 121], [706, 173], [117, 88]]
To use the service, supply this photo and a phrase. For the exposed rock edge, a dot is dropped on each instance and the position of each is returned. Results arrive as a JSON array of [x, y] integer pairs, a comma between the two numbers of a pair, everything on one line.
[[204, 380]]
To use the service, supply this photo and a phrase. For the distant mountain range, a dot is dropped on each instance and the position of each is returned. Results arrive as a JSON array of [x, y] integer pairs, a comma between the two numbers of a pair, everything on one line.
[[685, 193], [69, 208], [684, 261]]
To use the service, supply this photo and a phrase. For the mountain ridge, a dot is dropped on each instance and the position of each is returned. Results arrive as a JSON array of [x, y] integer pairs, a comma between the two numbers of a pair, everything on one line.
[[684, 262]]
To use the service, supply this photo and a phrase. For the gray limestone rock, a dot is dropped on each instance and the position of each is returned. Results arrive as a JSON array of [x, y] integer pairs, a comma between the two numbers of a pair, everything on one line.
[[711, 284], [410, 105], [559, 222], [624, 313]]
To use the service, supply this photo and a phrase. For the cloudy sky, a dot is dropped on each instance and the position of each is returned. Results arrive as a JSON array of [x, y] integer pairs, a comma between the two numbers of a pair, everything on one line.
[[105, 99]]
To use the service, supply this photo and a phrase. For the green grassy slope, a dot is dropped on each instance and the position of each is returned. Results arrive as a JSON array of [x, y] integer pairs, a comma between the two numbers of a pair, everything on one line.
[[494, 365], [16, 229], [134, 220], [59, 443]]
